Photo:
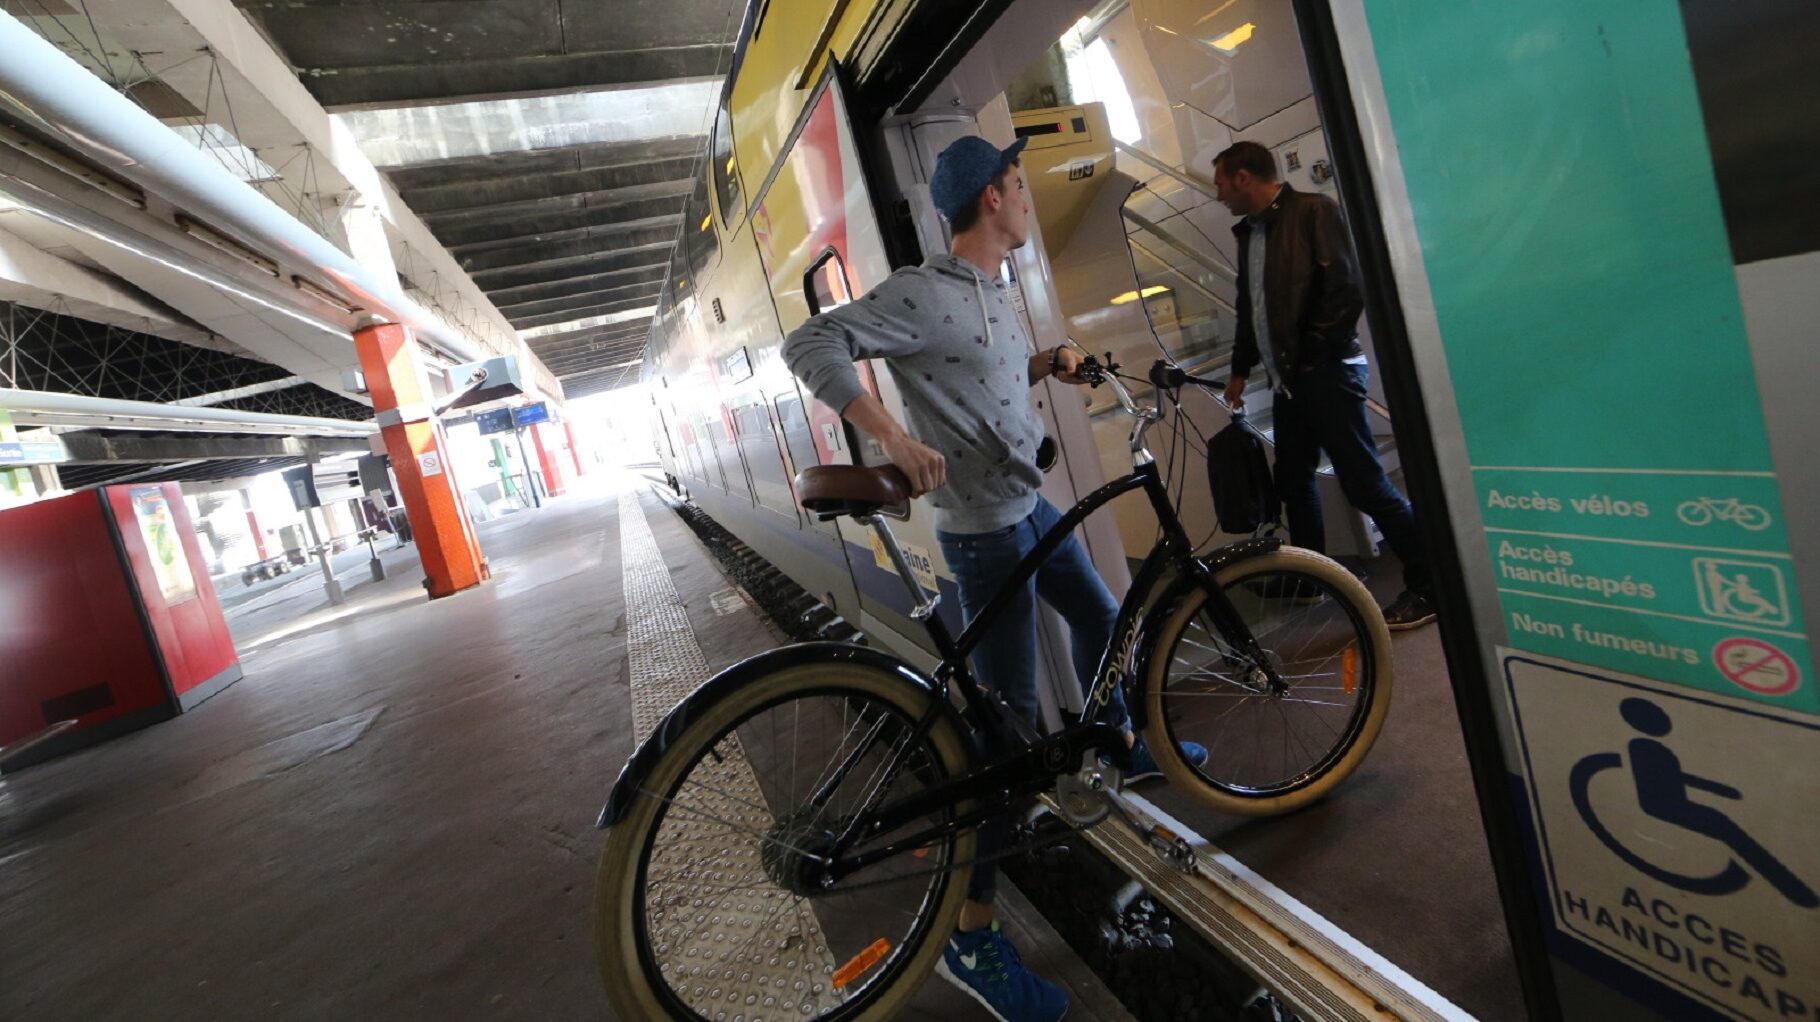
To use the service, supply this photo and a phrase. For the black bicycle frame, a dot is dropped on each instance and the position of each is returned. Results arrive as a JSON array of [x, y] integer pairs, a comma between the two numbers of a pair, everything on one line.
[[1030, 764]]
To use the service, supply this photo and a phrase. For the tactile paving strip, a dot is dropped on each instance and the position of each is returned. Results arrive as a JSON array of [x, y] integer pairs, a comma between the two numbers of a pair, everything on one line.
[[733, 944]]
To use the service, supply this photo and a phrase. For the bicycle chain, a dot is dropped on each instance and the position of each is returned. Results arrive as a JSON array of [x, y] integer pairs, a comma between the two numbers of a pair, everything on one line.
[[1070, 830]]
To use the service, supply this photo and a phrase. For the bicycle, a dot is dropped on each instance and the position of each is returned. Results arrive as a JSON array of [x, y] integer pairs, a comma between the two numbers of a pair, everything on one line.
[[794, 840]]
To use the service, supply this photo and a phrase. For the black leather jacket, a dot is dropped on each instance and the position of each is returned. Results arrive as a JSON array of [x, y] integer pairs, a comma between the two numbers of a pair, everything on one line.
[[1311, 286]]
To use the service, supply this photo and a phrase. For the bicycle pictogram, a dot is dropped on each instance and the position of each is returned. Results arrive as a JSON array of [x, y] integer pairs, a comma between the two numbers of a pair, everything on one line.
[[1706, 510], [1663, 793]]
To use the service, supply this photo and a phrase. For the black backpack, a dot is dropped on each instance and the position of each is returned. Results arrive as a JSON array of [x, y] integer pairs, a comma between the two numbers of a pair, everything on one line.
[[1238, 472]]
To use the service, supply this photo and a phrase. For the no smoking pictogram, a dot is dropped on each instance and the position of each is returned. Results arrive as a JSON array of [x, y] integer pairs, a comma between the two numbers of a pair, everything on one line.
[[1756, 666]]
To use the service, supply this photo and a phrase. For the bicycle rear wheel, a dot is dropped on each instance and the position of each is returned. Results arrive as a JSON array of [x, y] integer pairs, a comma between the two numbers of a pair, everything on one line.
[[709, 904], [1270, 748]]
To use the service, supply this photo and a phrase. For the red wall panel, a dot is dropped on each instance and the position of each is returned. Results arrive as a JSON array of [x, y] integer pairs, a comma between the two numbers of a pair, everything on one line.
[[68, 622]]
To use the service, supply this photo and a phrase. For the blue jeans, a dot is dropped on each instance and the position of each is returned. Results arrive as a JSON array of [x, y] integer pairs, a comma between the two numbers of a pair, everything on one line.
[[1325, 411], [1005, 659]]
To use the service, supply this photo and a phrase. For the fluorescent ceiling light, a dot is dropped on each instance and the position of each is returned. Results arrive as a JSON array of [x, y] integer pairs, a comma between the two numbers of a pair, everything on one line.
[[1132, 296], [421, 134], [1229, 42]]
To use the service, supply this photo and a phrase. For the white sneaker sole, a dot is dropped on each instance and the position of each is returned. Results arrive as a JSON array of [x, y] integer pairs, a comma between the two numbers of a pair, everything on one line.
[[942, 970]]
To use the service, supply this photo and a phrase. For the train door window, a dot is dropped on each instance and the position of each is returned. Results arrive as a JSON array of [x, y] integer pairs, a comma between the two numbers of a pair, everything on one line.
[[726, 171], [732, 459], [764, 458], [825, 283], [799, 441]]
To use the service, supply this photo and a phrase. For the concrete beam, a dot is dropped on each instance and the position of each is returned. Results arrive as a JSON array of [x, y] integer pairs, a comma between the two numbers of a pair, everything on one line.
[[515, 277], [35, 278], [605, 308], [510, 216], [563, 159], [85, 447], [236, 393], [615, 235], [646, 292], [649, 180], [640, 326], [633, 343], [654, 250], [396, 85], [578, 285]]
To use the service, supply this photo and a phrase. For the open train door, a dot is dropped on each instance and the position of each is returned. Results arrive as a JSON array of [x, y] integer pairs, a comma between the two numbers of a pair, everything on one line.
[[819, 240]]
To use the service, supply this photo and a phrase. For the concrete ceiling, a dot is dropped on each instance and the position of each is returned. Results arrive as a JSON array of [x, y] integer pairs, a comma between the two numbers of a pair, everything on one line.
[[549, 145]]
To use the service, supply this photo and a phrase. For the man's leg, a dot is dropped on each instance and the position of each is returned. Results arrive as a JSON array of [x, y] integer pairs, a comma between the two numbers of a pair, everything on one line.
[[1334, 403], [1003, 662], [978, 957], [1070, 583], [1297, 455]]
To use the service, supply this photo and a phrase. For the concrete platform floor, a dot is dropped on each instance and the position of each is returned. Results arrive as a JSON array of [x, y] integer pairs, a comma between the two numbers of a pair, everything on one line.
[[389, 818]]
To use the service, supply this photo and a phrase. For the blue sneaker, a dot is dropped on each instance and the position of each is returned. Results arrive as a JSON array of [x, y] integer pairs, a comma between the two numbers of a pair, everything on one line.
[[986, 966], [1143, 765]]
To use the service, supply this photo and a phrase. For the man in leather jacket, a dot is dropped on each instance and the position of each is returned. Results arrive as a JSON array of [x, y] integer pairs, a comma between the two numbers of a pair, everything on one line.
[[1298, 313]]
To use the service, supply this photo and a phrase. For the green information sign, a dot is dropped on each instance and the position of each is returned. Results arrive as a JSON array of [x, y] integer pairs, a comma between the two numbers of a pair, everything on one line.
[[1584, 288]]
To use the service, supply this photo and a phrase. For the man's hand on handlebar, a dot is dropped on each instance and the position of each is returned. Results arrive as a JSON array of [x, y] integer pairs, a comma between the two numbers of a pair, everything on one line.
[[1235, 392], [1067, 366], [922, 465]]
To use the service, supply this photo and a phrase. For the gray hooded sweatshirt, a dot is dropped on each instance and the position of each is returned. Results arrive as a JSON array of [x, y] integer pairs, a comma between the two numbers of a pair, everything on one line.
[[960, 360]]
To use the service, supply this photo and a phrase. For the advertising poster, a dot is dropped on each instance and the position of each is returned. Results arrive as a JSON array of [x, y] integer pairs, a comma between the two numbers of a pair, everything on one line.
[[159, 530]]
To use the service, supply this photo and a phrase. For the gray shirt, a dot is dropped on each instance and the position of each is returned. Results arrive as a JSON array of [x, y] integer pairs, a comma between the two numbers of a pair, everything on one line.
[[1260, 311], [959, 358]]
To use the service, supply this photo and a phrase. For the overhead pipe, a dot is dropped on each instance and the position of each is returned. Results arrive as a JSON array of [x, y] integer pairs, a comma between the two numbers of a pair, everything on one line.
[[127, 142], [47, 408]]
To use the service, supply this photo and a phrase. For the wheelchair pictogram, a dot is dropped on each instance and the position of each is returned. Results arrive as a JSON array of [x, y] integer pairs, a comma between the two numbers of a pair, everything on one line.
[[1663, 791]]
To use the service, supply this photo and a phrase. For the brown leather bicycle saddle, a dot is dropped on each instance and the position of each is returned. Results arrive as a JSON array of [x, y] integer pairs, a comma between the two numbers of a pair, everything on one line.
[[830, 490]]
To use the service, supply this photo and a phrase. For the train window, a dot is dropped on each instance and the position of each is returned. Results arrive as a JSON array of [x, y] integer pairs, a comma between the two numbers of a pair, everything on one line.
[[698, 228], [825, 283], [726, 171]]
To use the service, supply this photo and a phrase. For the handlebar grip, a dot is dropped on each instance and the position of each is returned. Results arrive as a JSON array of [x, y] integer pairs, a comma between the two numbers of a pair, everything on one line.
[[1165, 376]]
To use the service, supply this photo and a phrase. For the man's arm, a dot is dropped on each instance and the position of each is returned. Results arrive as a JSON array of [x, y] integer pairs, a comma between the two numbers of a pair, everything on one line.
[[1337, 301], [821, 353]]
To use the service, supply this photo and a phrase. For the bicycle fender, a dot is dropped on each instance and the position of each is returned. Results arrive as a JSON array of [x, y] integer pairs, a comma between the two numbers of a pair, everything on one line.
[[644, 759], [1178, 589]]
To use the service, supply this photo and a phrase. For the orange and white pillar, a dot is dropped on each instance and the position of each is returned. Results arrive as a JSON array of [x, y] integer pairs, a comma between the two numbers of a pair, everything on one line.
[[445, 538]]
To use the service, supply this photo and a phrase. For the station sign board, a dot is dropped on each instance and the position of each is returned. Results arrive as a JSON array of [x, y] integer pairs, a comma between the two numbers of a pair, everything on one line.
[[497, 420]]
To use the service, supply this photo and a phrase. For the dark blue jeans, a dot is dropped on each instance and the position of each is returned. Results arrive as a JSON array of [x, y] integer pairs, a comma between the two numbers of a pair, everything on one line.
[[1325, 411], [1005, 659]]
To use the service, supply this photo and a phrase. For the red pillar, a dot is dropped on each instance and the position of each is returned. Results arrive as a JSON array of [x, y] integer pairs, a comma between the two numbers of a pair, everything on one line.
[[574, 448], [252, 525], [445, 538], [546, 457]]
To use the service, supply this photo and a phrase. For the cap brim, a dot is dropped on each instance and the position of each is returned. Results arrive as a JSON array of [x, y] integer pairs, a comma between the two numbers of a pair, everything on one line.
[[1011, 152]]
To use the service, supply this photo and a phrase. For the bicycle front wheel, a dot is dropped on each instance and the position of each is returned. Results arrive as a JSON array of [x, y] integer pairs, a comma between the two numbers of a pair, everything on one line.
[[1271, 746], [710, 903]]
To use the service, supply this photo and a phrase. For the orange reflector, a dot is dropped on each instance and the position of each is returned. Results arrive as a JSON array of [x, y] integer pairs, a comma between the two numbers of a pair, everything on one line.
[[1349, 669], [857, 966]]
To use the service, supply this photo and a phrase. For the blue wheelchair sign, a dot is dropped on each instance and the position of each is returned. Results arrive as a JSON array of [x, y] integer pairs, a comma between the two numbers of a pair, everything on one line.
[[1664, 793]]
